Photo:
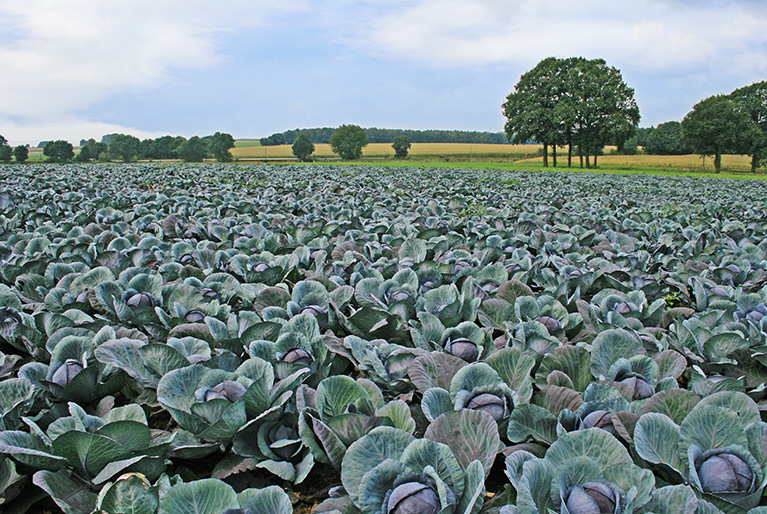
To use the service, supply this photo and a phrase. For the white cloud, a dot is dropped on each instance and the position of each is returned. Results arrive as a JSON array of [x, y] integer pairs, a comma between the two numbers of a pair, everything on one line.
[[60, 57], [660, 36]]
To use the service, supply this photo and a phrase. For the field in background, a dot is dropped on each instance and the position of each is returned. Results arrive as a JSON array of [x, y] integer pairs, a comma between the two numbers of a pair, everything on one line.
[[494, 153], [248, 151]]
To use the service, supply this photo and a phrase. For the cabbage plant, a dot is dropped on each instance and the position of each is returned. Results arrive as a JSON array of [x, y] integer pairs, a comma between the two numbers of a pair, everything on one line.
[[582, 472], [717, 448]]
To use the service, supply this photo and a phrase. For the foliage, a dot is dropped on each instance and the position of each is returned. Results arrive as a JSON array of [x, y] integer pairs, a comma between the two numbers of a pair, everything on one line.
[[717, 125], [59, 151], [348, 142], [219, 146], [401, 145], [21, 153], [124, 147], [666, 139], [303, 148], [380, 135], [571, 101], [753, 101], [192, 150], [92, 150]]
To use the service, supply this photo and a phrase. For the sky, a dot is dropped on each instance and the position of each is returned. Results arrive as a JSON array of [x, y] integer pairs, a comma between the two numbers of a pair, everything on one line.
[[84, 68]]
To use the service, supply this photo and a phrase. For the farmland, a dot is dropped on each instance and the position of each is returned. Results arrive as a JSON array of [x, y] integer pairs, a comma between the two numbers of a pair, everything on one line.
[[279, 338]]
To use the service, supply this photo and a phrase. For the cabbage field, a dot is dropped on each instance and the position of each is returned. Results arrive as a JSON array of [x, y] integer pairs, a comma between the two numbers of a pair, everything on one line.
[[226, 339]]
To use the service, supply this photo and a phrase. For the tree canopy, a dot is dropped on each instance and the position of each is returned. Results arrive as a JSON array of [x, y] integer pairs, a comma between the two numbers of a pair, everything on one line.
[[124, 147], [348, 142], [572, 101], [752, 100], [21, 153], [401, 145], [666, 139], [193, 150], [59, 151], [5, 151], [219, 145], [718, 125], [303, 148]]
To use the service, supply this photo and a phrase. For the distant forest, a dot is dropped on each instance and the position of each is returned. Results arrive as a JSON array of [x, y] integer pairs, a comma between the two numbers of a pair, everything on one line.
[[378, 135]]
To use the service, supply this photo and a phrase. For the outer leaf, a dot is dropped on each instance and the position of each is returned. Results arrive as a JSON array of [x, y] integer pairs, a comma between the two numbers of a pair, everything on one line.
[[738, 402], [71, 497], [712, 427], [269, 500], [207, 496], [87, 452], [470, 434], [674, 403], [130, 494], [609, 346], [434, 369], [595, 443], [657, 440], [532, 423], [380, 444]]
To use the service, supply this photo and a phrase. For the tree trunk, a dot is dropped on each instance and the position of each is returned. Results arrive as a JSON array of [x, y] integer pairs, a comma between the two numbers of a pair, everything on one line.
[[718, 161], [580, 155], [753, 163], [570, 155], [588, 160], [545, 155], [554, 154], [595, 160]]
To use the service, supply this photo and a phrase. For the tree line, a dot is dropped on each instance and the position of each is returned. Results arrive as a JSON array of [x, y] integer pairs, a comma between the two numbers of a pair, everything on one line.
[[129, 148], [379, 135]]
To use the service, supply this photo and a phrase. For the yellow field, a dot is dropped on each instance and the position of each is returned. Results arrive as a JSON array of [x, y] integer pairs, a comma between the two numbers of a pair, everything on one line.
[[686, 162], [386, 150]]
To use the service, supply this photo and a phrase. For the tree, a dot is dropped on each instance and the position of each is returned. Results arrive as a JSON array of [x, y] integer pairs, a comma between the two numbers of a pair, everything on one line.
[[59, 151], [92, 150], [303, 148], [572, 101], [125, 147], [5, 151], [192, 150], [753, 101], [21, 153], [166, 147], [529, 110], [598, 104], [667, 139], [219, 146], [348, 142], [401, 145], [718, 125]]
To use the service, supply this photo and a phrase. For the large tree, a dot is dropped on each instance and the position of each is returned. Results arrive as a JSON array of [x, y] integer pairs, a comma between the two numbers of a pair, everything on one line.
[[219, 146], [193, 150], [21, 153], [718, 125], [666, 139], [599, 104], [348, 142], [124, 147], [401, 145], [753, 101], [529, 109], [571, 101], [59, 151], [303, 148], [6, 152]]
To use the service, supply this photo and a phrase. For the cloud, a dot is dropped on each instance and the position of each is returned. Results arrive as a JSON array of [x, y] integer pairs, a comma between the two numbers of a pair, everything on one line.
[[58, 58], [660, 36]]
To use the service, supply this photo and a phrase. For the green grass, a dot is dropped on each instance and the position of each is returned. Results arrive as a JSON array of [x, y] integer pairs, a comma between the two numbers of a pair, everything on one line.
[[245, 143], [623, 170]]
